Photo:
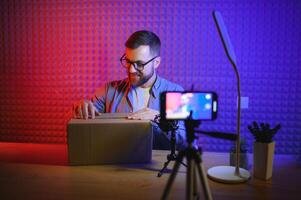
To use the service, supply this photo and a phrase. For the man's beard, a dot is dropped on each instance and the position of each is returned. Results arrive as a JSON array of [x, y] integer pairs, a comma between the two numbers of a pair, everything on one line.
[[142, 79]]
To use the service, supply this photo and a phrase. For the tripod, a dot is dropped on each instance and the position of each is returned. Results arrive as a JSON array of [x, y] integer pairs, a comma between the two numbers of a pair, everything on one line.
[[172, 156], [194, 166], [166, 126]]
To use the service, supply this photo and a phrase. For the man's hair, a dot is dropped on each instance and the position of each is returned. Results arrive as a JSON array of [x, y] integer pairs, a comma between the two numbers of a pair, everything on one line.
[[144, 37]]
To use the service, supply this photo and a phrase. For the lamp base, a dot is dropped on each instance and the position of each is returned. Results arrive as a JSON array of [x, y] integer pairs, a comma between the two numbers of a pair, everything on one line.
[[226, 174]]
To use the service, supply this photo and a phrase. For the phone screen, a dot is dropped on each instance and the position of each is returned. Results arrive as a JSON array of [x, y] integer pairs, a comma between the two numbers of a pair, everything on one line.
[[178, 105]]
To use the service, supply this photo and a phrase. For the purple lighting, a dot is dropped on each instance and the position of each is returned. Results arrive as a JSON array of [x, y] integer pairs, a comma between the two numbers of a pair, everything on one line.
[[55, 53]]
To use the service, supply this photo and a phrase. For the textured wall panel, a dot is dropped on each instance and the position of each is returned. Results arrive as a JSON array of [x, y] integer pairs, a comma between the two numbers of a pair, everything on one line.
[[54, 53]]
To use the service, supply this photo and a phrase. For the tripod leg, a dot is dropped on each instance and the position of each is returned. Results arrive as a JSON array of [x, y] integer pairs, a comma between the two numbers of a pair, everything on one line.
[[162, 170], [195, 184], [204, 181], [189, 178], [173, 175], [184, 164]]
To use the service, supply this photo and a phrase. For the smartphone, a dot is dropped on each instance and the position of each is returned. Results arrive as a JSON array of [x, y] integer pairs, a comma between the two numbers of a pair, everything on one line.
[[179, 105]]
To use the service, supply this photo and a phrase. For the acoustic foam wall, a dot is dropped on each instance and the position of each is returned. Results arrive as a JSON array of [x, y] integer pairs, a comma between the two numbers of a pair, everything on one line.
[[54, 53]]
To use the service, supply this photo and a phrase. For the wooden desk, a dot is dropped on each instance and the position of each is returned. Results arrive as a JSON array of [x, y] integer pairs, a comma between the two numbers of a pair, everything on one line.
[[36, 181]]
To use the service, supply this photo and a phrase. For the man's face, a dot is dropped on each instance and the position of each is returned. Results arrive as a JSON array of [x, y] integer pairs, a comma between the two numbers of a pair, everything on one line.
[[141, 55]]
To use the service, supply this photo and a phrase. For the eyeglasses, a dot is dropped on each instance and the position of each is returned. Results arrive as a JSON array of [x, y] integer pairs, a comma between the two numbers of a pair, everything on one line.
[[137, 65]]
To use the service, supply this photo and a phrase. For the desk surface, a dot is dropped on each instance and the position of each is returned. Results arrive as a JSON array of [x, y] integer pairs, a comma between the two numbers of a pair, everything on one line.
[[36, 181]]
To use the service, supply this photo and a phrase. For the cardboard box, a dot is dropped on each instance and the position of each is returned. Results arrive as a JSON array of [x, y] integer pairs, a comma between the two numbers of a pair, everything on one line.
[[109, 141]]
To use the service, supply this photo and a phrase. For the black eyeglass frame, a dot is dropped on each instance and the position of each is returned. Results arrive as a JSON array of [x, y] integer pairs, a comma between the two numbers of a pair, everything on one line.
[[138, 67]]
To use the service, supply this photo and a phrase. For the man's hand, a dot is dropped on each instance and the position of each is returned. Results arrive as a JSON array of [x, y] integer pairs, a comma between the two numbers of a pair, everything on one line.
[[84, 109], [145, 113]]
